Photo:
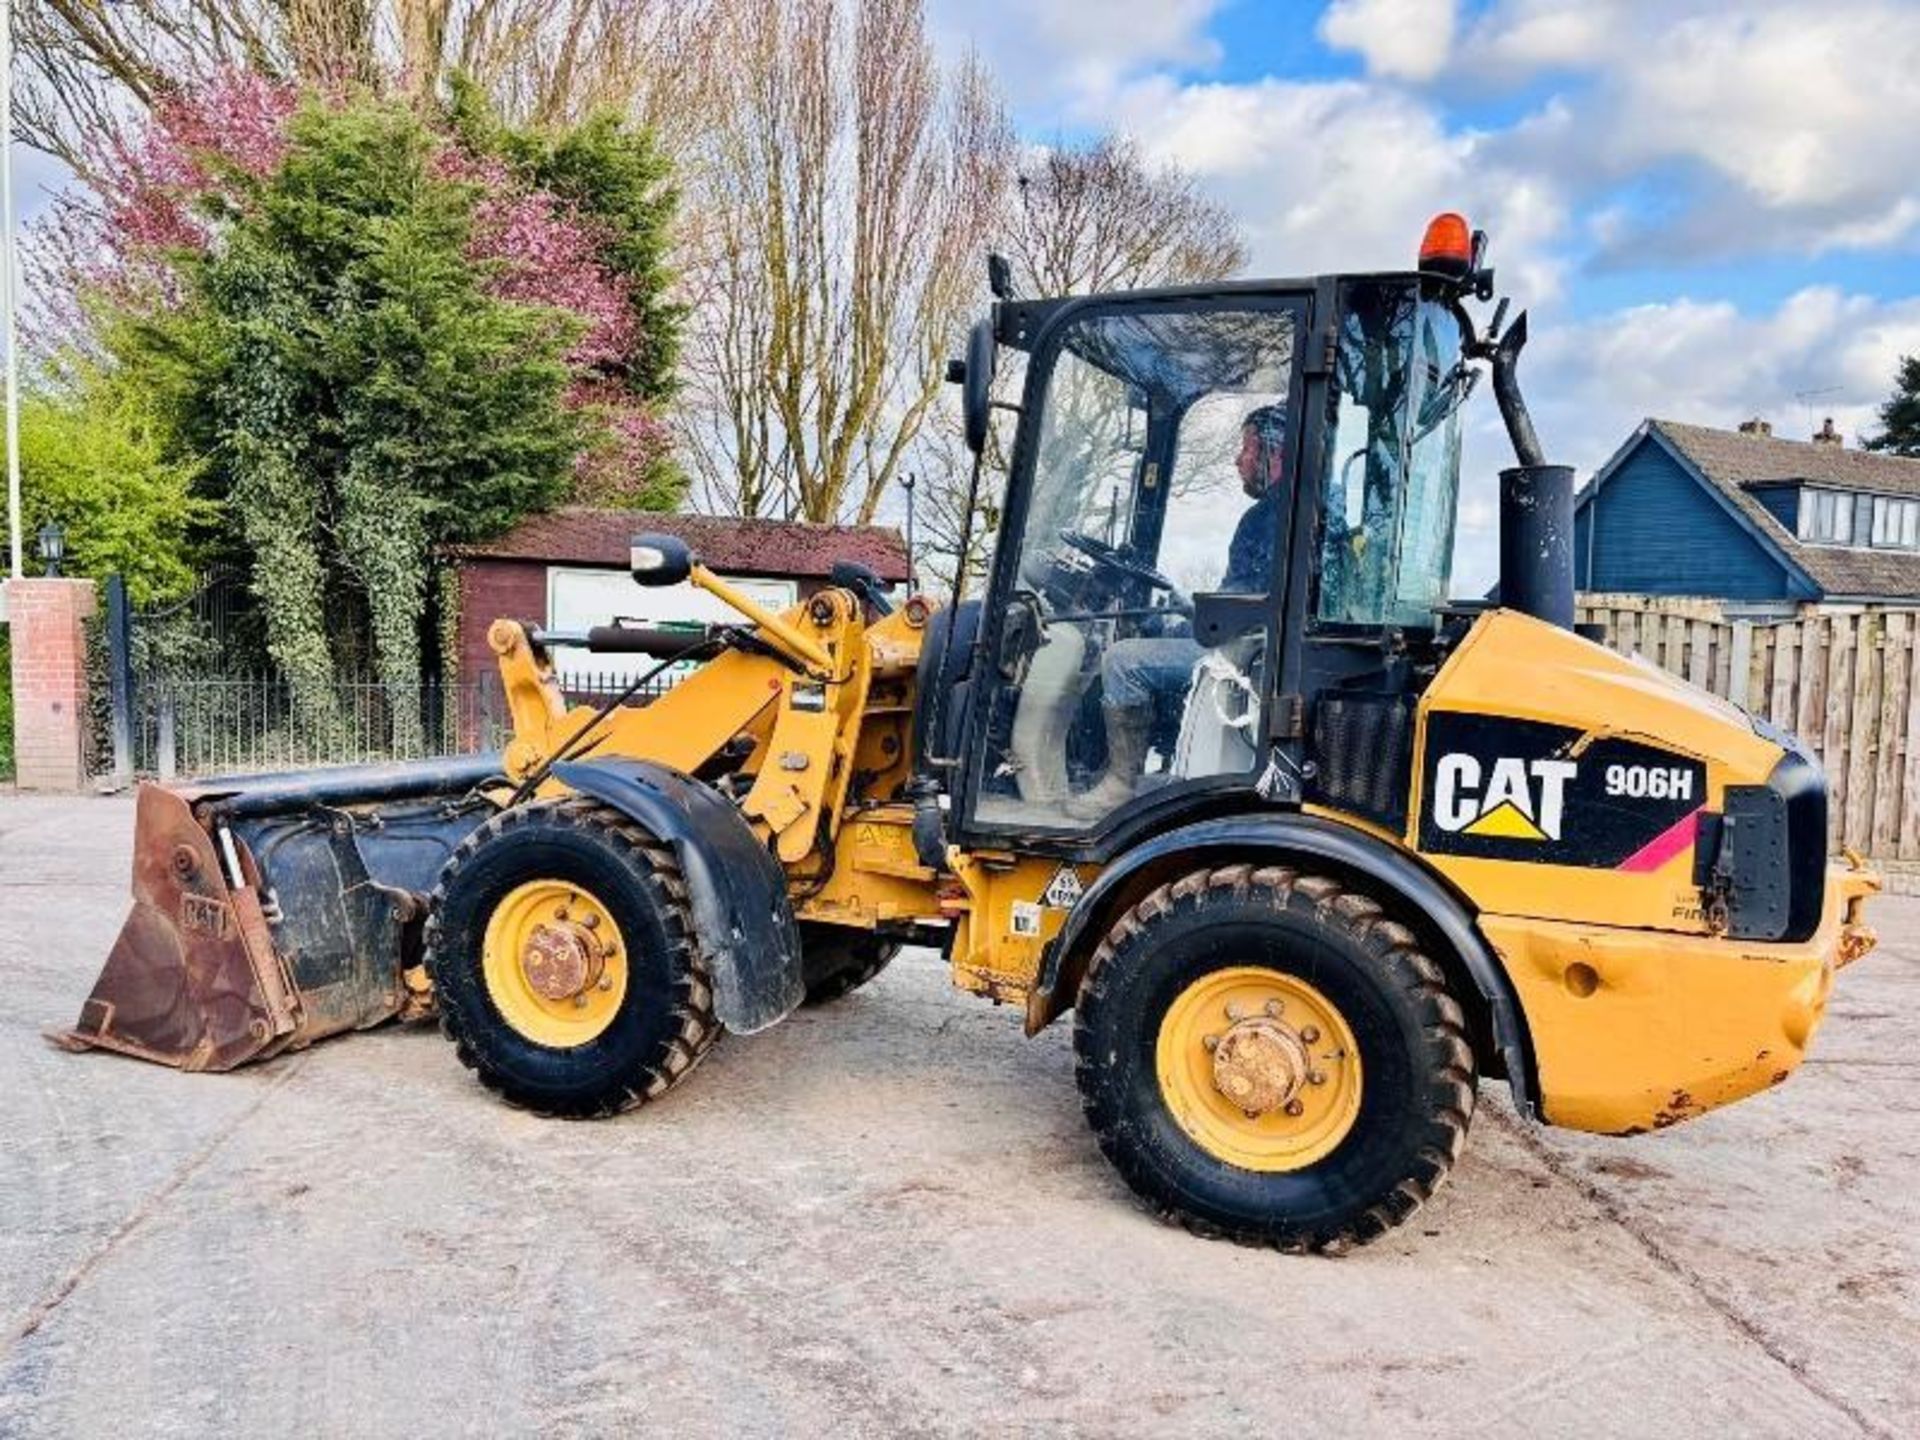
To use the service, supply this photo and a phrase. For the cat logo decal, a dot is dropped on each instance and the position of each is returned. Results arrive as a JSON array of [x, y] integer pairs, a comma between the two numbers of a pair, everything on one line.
[[1507, 798]]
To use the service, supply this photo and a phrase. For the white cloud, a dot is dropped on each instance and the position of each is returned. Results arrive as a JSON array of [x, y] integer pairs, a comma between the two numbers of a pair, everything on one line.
[[1075, 52], [1800, 107], [1780, 127], [36, 179], [1712, 364], [1343, 175], [1820, 352], [1518, 38], [1402, 39]]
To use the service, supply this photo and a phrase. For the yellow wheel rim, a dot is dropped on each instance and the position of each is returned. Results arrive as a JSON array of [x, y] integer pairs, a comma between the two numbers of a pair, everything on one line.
[[555, 963], [1259, 1068]]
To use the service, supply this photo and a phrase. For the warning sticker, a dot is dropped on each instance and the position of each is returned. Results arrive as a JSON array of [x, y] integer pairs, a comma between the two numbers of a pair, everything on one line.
[[1026, 918], [1064, 890]]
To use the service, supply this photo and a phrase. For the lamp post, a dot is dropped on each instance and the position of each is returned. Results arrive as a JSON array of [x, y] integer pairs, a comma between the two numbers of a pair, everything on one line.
[[53, 548], [909, 484]]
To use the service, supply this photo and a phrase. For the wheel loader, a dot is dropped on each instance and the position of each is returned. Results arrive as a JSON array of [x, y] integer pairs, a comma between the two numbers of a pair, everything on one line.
[[1306, 849]]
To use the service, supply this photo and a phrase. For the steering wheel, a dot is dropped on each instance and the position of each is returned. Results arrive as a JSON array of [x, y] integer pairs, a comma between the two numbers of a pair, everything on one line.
[[1113, 558]]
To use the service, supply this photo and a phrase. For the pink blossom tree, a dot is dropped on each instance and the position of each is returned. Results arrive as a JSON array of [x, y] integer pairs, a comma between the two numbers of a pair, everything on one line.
[[159, 194]]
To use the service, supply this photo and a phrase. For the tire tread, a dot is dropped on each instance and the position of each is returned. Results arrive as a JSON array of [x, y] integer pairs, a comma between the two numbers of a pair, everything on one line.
[[654, 866], [1393, 946]]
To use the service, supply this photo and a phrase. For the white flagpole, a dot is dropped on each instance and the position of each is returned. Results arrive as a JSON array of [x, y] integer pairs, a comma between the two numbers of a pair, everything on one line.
[[8, 290]]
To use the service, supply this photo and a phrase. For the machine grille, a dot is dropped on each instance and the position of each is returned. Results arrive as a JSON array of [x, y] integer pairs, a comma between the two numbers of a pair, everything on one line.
[[1363, 754]]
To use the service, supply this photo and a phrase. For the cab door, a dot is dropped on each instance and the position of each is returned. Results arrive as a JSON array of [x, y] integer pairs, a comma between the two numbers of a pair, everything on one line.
[[1140, 569]]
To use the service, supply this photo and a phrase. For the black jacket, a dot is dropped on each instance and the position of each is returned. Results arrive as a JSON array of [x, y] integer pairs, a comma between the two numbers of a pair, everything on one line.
[[1250, 556]]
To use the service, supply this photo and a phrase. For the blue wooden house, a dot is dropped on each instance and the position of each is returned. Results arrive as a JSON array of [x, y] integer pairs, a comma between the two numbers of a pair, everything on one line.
[[1743, 516]]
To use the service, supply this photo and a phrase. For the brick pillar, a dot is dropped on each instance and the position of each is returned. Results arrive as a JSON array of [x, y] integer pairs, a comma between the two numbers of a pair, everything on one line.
[[49, 681]]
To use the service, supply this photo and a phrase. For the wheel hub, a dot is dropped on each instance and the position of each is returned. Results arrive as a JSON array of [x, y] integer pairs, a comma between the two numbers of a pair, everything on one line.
[[1259, 1067], [1260, 1064], [555, 962], [561, 960]]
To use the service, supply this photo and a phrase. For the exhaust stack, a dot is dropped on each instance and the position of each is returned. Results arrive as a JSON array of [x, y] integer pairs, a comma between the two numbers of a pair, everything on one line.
[[1536, 503]]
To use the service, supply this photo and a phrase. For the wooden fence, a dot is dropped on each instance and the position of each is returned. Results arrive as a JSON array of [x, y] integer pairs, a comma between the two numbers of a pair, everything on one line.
[[1845, 679]]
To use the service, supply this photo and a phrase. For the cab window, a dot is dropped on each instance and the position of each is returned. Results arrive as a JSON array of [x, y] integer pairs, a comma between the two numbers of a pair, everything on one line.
[[1162, 445], [1393, 459]]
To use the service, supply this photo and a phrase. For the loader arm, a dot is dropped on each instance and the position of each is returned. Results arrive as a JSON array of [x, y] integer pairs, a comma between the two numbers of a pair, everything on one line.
[[779, 719]]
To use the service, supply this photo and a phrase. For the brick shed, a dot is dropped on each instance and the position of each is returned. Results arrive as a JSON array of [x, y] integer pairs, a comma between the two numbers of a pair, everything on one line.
[[568, 569]]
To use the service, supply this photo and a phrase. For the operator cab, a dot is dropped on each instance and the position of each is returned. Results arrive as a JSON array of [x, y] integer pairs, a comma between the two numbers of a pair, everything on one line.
[[1220, 501]]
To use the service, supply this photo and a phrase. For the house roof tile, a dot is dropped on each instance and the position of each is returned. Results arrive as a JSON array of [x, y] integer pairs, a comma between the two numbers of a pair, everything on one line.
[[1735, 463], [788, 548]]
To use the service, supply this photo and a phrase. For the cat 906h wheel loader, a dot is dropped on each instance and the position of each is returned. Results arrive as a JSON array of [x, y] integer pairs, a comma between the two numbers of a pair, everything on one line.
[[1214, 765]]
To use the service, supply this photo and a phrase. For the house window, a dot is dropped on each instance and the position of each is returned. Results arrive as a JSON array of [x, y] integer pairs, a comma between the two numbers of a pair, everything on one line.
[[1896, 523], [1826, 516]]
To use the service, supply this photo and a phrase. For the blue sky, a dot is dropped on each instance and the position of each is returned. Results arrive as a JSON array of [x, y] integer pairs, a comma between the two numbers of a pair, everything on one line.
[[1711, 209]]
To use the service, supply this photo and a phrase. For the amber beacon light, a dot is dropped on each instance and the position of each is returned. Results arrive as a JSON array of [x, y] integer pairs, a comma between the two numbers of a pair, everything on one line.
[[1447, 247]]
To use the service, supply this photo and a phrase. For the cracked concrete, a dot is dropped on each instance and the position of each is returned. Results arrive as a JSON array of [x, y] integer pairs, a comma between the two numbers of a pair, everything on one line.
[[888, 1219]]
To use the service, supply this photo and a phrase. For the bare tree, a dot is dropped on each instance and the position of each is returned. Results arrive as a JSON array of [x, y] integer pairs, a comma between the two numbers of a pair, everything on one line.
[[85, 66], [1077, 219], [1100, 216], [840, 186]]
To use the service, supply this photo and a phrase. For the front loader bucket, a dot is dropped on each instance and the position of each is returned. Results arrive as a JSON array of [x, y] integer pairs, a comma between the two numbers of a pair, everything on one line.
[[273, 911]]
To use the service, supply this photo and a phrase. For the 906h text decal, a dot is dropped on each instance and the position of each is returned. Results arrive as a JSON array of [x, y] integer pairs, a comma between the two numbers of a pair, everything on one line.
[[1516, 790]]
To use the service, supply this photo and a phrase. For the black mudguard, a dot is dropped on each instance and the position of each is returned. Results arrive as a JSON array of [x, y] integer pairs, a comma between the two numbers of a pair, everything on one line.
[[1248, 838], [738, 890]]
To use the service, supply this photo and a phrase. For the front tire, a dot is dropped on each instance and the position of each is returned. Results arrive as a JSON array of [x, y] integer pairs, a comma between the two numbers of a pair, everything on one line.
[[1266, 1056], [564, 963]]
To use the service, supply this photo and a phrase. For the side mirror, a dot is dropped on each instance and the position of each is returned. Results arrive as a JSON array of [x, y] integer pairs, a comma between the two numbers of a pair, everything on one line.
[[659, 560], [976, 384]]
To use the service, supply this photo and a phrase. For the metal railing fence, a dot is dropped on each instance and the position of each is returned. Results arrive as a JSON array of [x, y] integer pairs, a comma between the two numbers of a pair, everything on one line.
[[191, 725]]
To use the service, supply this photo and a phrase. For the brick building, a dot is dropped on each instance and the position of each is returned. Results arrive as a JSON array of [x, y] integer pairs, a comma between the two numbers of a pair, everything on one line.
[[568, 570]]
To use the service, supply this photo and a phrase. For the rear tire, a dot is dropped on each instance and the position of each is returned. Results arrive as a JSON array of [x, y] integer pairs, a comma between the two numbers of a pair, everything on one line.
[[1390, 1121], [837, 959], [634, 1041]]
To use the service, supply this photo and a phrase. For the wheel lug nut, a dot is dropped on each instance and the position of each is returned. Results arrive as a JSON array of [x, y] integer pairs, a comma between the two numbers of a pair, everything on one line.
[[592, 922], [606, 983], [580, 1002], [560, 913], [1316, 1077], [1211, 1042], [1310, 1034], [1274, 1007], [1294, 1107]]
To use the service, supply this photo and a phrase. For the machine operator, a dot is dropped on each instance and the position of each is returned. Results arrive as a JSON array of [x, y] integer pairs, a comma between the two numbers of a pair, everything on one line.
[[1136, 673]]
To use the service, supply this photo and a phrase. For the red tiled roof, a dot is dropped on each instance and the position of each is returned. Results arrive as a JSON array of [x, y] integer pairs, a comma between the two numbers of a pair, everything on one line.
[[580, 536]]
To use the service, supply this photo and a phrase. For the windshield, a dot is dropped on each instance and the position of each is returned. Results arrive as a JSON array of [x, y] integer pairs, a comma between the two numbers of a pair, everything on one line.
[[1393, 463]]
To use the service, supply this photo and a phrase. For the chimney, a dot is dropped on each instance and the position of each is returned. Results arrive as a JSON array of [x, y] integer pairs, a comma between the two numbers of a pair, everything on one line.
[[1757, 426], [1827, 435]]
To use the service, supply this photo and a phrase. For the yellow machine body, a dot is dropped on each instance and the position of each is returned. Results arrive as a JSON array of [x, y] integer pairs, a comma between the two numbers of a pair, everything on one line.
[[1383, 845], [1638, 1013]]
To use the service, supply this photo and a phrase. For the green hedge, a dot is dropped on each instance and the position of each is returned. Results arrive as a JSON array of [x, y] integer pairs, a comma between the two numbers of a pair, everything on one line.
[[6, 706]]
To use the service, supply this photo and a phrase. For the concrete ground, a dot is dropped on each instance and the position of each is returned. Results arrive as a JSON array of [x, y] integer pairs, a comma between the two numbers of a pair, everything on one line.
[[888, 1219]]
